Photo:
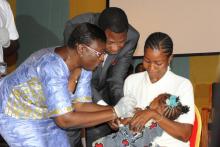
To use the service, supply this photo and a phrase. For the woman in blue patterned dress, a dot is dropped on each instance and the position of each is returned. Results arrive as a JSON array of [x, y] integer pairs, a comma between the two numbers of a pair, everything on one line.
[[36, 100]]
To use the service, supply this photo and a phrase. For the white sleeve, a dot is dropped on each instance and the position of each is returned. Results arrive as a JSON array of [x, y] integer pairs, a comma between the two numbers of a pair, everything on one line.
[[126, 86], [103, 103], [1, 54], [185, 93], [10, 25]]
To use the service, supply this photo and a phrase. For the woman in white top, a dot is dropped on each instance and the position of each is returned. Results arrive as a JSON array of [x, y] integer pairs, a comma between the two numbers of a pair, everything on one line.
[[158, 78]]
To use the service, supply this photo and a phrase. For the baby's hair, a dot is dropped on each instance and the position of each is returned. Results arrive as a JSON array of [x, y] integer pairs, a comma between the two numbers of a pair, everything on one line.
[[173, 107]]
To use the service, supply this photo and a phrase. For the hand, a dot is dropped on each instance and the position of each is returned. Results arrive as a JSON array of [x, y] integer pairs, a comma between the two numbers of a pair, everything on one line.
[[125, 106], [140, 119], [114, 124], [137, 109], [125, 121]]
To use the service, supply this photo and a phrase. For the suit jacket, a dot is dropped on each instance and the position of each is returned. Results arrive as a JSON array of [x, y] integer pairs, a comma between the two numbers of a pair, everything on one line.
[[108, 80]]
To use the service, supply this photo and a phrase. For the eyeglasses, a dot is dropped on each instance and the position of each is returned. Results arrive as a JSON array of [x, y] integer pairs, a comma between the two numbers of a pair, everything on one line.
[[97, 53]]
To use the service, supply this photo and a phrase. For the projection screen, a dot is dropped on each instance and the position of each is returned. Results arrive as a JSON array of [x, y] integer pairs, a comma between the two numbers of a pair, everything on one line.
[[194, 25]]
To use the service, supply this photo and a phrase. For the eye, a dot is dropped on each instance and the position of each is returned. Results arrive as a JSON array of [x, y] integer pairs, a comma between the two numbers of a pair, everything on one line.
[[109, 42], [146, 60], [159, 64]]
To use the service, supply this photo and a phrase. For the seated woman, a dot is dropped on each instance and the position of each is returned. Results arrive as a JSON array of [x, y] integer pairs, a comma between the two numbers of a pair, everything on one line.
[[167, 105], [157, 79], [37, 101]]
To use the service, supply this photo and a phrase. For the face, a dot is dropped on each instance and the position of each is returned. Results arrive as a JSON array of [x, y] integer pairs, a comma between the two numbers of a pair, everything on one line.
[[115, 41], [92, 55], [140, 68], [156, 63]]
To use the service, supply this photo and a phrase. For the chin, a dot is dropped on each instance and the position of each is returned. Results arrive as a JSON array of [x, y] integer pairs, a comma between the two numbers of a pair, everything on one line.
[[90, 68], [113, 52], [94, 68]]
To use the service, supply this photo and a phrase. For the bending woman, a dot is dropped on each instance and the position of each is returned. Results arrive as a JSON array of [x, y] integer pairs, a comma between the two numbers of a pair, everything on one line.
[[36, 99]]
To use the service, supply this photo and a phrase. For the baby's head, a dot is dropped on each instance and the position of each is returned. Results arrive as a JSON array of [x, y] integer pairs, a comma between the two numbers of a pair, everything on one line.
[[169, 106]]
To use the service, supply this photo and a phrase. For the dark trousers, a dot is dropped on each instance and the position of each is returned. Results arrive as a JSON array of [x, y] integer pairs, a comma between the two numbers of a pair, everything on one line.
[[74, 137], [97, 132]]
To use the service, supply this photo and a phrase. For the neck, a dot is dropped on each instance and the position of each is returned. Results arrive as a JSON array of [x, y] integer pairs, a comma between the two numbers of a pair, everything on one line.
[[70, 57]]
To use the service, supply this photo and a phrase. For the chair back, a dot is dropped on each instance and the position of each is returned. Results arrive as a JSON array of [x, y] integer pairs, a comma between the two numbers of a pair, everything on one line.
[[197, 128]]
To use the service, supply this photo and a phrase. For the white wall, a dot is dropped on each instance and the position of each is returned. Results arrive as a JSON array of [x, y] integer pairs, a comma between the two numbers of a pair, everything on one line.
[[194, 25]]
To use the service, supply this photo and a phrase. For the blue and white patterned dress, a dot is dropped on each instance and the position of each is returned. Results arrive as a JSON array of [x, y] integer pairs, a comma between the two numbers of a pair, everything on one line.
[[33, 95]]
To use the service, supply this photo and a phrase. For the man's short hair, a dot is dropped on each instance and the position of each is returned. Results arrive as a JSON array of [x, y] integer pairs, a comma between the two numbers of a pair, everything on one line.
[[113, 18]]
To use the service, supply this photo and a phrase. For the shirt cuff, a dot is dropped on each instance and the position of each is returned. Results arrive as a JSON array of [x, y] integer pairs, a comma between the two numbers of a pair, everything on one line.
[[101, 102]]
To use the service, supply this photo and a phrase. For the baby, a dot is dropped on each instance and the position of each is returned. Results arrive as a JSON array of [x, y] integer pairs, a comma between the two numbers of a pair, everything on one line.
[[171, 108]]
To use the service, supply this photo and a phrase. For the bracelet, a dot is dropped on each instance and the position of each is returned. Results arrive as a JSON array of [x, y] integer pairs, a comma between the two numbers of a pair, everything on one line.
[[161, 118], [114, 113]]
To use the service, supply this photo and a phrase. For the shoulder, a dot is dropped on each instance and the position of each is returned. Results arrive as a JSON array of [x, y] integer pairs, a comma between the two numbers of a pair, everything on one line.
[[134, 81], [179, 81], [131, 42], [52, 65], [135, 78], [133, 34], [86, 17], [46, 59], [5, 9], [4, 4]]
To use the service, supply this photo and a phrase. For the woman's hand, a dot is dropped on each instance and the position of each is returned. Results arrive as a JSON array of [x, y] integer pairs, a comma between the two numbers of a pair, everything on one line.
[[114, 124], [140, 119], [125, 121]]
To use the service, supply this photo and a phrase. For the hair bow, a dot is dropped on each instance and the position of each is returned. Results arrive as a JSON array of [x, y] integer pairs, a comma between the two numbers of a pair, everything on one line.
[[172, 101]]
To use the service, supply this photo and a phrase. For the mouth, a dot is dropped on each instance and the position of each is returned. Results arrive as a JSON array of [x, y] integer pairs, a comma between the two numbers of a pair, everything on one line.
[[94, 69], [112, 52], [152, 73]]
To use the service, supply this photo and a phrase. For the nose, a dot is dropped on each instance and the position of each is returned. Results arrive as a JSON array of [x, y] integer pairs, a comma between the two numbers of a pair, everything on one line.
[[151, 67]]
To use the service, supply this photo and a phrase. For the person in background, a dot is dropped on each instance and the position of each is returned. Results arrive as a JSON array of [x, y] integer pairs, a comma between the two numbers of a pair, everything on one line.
[[8, 34], [40, 99], [215, 127], [108, 78], [139, 68]]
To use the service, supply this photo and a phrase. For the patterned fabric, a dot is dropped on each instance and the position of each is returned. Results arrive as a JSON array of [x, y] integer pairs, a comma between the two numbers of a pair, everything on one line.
[[35, 93], [126, 138]]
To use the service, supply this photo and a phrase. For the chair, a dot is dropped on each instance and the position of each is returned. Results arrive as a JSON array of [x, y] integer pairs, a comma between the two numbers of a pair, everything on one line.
[[197, 128], [208, 115]]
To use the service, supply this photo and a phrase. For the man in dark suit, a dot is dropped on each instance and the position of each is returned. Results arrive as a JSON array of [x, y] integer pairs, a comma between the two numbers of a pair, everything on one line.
[[108, 78]]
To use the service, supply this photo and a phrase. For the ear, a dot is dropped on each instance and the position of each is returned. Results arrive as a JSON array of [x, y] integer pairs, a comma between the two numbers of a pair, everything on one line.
[[170, 59], [80, 49]]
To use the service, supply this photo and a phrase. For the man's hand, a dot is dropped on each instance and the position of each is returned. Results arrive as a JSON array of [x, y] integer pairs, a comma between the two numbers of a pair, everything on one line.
[[114, 124]]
